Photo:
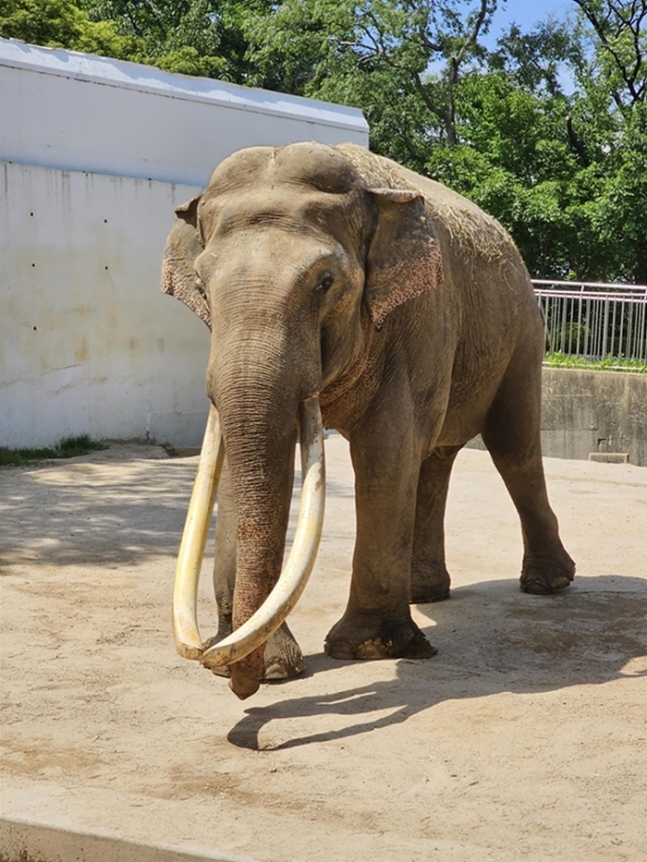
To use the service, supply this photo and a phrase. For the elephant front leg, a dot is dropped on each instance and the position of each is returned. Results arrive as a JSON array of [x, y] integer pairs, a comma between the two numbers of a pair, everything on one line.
[[377, 622], [283, 656]]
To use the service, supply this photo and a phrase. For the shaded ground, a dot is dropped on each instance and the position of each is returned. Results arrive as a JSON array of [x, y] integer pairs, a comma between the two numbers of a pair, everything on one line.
[[524, 738]]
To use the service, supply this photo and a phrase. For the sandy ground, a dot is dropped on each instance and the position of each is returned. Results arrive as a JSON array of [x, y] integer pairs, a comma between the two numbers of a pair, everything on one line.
[[524, 738]]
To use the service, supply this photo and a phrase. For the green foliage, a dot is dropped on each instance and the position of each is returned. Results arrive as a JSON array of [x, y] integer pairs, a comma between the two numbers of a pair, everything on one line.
[[515, 162], [619, 48], [535, 60], [565, 173], [376, 55], [619, 215], [68, 447], [192, 37], [64, 24]]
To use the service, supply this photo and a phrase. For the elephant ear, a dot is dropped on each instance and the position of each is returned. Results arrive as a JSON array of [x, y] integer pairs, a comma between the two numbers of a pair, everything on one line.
[[183, 245], [404, 258]]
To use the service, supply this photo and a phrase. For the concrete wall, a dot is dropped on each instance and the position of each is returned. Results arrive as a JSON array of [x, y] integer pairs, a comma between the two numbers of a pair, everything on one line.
[[88, 344], [592, 411], [95, 154]]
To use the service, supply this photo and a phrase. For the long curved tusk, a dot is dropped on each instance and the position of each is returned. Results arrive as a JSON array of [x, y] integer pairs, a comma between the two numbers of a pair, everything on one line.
[[196, 529], [274, 610]]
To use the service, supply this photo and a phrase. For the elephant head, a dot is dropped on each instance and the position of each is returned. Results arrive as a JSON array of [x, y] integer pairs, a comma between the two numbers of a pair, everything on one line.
[[295, 262]]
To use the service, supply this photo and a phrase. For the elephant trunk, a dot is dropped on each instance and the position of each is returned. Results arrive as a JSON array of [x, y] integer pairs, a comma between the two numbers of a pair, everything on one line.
[[254, 632], [259, 439], [258, 419], [259, 416]]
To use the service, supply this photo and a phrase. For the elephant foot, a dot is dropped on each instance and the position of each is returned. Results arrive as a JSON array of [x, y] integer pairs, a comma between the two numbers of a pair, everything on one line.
[[362, 636], [283, 657], [429, 583], [544, 576]]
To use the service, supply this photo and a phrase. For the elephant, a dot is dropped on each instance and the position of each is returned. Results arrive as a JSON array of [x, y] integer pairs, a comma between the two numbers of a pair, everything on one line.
[[344, 291]]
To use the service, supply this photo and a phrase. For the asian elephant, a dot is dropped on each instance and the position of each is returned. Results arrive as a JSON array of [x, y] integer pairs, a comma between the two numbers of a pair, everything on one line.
[[341, 287]]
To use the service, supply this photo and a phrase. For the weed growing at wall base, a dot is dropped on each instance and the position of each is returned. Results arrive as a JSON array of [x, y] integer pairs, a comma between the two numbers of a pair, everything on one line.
[[68, 447], [609, 363]]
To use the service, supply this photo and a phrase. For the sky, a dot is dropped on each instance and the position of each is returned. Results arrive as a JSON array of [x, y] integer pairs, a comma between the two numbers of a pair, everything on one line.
[[526, 13]]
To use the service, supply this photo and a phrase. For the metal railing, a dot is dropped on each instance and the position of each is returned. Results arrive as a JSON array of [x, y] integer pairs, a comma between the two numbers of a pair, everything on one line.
[[594, 320]]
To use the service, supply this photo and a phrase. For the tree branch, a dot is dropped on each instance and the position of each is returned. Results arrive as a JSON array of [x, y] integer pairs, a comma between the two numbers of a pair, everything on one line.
[[424, 95], [633, 26], [576, 144], [474, 34]]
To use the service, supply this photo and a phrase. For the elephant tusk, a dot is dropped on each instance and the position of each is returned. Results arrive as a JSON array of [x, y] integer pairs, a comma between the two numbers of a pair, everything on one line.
[[196, 529], [294, 576]]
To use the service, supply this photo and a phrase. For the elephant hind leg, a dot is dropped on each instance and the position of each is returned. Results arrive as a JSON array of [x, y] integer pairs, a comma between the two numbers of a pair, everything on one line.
[[512, 436], [430, 579]]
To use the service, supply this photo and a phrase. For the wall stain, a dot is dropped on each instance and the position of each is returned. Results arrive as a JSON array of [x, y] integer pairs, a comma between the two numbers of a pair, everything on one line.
[[81, 352]]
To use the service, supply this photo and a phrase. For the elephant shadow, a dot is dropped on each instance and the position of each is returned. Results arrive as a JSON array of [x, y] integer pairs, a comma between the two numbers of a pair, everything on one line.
[[491, 639]]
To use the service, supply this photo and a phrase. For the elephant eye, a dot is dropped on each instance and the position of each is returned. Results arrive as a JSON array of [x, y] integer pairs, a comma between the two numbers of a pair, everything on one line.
[[200, 287], [325, 283]]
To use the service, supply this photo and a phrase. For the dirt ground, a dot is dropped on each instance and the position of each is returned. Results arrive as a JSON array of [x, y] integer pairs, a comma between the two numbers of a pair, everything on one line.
[[525, 738]]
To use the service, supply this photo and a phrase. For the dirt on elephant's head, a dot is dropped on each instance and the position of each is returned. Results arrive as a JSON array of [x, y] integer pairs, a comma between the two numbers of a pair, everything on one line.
[[468, 226]]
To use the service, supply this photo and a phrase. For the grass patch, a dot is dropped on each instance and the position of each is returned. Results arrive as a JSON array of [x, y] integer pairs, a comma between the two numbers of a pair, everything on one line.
[[68, 447], [609, 363]]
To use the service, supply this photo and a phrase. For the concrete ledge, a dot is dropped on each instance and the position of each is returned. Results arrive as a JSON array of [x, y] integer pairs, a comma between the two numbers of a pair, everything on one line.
[[592, 412], [609, 457], [26, 841]]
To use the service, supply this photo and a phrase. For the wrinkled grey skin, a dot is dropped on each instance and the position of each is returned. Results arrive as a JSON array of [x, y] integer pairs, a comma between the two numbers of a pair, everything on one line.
[[332, 271]]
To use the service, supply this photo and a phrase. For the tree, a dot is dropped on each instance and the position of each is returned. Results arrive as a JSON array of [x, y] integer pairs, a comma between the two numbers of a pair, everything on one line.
[[195, 37], [399, 61], [535, 59], [621, 46], [564, 169], [514, 160], [63, 24], [611, 118]]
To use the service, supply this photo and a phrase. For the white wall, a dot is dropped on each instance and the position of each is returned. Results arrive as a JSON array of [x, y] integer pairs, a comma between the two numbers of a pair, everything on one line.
[[95, 156], [88, 343], [61, 109]]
